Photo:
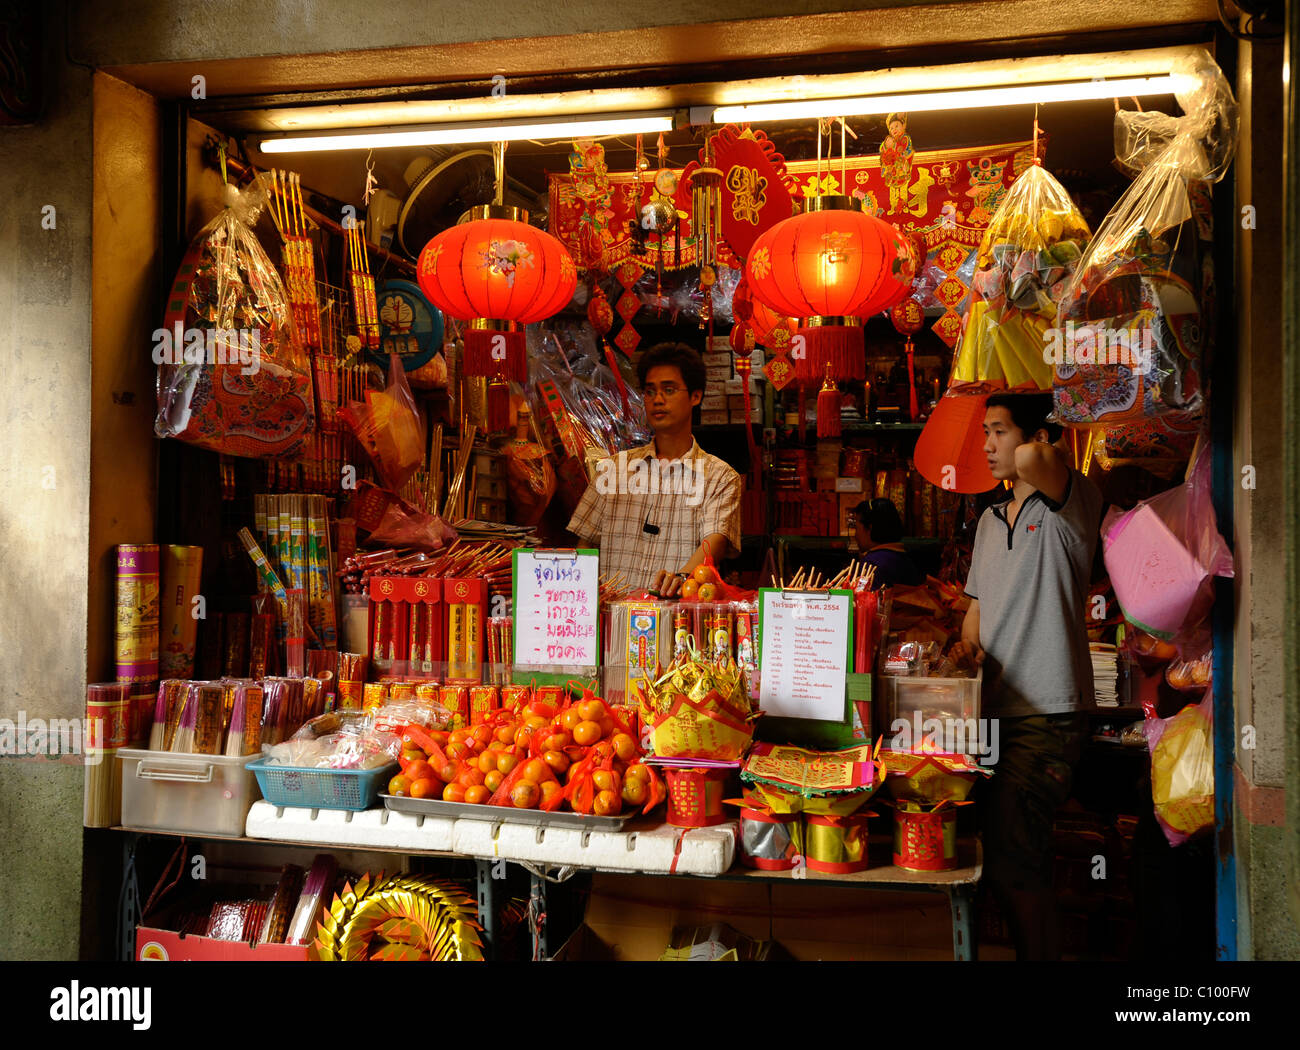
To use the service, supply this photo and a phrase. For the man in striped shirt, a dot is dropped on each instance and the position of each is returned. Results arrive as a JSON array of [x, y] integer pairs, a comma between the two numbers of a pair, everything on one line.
[[655, 510]]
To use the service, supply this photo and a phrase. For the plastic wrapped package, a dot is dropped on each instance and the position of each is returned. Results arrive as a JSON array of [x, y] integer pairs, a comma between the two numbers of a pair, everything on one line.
[[1140, 301], [1030, 249], [1182, 771], [233, 376], [1162, 555], [389, 427], [530, 477]]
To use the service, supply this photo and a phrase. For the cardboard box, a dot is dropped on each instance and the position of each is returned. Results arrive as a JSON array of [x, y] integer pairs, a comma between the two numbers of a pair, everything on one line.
[[718, 373], [155, 945], [714, 418], [848, 485], [713, 358], [713, 402], [737, 386], [738, 415]]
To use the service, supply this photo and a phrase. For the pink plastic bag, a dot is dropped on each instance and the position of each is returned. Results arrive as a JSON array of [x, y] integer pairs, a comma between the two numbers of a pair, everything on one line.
[[1162, 554]]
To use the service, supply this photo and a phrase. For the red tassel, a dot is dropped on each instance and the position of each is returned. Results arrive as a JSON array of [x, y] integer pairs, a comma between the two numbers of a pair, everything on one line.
[[913, 406], [828, 408], [480, 346], [498, 404], [840, 346], [803, 415]]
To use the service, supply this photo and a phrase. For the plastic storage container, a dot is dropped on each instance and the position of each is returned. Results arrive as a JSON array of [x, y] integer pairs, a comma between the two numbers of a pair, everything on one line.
[[305, 788], [915, 700], [200, 794]]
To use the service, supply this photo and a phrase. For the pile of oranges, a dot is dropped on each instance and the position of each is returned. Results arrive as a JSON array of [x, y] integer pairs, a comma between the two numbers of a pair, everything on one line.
[[703, 585], [582, 754]]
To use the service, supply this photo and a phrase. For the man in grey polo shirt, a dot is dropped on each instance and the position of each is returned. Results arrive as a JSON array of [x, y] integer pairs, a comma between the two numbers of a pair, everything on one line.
[[1028, 585]]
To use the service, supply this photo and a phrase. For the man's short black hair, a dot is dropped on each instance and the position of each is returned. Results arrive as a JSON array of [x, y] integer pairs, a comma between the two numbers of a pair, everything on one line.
[[674, 355], [880, 518], [1029, 413]]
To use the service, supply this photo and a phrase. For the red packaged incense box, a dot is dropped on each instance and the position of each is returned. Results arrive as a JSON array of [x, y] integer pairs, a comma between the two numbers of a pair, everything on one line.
[[408, 637], [466, 602]]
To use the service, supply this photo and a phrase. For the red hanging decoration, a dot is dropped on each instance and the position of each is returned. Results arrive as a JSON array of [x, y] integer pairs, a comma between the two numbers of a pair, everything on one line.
[[498, 273], [828, 407], [498, 404], [833, 267], [599, 312], [908, 318]]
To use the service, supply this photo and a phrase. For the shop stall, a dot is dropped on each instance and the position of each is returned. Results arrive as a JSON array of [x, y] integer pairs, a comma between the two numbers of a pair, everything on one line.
[[386, 392]]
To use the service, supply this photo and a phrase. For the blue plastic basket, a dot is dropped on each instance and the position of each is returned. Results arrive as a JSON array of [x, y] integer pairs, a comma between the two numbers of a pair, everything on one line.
[[351, 789]]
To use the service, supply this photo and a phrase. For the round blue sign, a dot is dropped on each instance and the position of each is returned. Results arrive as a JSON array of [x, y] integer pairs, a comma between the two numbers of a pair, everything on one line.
[[409, 325]]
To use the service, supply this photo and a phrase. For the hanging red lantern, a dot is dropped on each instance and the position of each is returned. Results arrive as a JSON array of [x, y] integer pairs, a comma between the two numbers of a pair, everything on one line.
[[950, 451], [908, 318], [498, 273], [832, 266]]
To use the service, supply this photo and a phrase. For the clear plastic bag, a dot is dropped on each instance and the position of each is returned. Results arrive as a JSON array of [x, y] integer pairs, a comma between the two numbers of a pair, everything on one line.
[[1182, 771], [389, 427], [1033, 243], [530, 477], [1137, 301], [232, 373]]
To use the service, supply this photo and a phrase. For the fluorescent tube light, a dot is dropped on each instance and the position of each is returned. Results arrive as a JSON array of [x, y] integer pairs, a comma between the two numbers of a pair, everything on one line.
[[435, 135], [973, 98]]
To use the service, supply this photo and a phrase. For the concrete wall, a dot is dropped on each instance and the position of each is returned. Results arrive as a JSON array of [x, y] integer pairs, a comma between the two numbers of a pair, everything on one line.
[[44, 516], [1264, 930]]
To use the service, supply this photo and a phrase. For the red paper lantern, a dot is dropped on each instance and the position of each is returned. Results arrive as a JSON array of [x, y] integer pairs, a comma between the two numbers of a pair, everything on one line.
[[832, 266], [497, 272]]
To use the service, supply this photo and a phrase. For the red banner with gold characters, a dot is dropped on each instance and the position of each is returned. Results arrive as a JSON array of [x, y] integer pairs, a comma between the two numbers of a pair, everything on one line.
[[945, 197]]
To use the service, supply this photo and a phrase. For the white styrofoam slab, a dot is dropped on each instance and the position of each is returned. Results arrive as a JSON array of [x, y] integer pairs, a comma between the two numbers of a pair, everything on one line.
[[371, 827], [697, 851]]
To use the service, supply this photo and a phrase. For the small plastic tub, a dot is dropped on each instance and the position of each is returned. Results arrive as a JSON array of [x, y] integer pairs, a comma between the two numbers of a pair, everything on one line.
[[198, 794], [306, 788]]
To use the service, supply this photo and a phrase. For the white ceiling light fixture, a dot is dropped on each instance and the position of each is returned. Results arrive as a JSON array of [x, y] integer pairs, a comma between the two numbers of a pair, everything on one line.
[[971, 98], [457, 134]]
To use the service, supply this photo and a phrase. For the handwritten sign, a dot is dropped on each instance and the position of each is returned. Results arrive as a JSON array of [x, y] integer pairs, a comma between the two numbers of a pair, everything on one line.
[[805, 640], [556, 608]]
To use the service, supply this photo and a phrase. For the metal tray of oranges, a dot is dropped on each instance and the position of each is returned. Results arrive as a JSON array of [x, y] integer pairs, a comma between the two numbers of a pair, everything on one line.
[[436, 807]]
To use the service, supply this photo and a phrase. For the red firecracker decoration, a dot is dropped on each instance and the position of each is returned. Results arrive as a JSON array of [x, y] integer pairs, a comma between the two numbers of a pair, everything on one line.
[[832, 267]]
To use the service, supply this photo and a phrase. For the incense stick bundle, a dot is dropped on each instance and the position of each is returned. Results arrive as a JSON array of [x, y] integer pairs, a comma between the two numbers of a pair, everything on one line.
[[207, 737], [182, 740], [107, 721]]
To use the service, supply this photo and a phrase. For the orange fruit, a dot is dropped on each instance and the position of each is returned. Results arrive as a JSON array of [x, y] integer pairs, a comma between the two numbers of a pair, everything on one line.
[[557, 760], [606, 726], [607, 804], [635, 791], [535, 722], [506, 734], [592, 710], [541, 708], [570, 719], [506, 762], [426, 788], [456, 751], [549, 789], [603, 750], [703, 574], [638, 771], [605, 780], [586, 733], [453, 793], [522, 736], [409, 755], [535, 771], [458, 737], [689, 592], [450, 771], [439, 736], [399, 785], [470, 776], [525, 795], [624, 746], [557, 741], [477, 795], [708, 592], [420, 770], [492, 779]]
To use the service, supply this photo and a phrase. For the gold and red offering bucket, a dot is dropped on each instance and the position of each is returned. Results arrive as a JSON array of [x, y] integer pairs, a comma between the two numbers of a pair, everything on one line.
[[835, 844], [695, 795], [770, 841], [926, 788]]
